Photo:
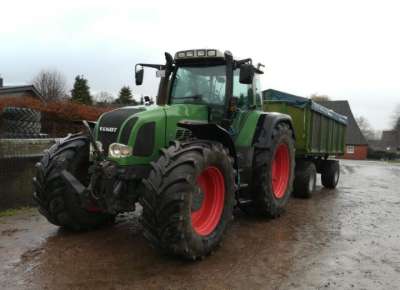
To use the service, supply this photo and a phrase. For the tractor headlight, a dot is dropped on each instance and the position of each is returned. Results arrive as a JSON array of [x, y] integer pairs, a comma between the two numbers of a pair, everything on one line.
[[118, 150]]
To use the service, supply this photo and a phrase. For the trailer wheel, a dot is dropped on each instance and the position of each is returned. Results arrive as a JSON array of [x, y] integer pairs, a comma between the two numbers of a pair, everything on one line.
[[56, 202], [189, 200], [273, 174], [305, 179], [330, 173]]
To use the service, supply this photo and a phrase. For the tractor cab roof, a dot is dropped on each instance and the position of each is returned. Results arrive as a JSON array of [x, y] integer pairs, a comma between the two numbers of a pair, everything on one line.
[[199, 57], [199, 54], [204, 57]]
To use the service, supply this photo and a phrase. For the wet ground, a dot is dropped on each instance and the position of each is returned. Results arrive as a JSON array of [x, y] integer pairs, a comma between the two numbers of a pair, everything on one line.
[[348, 238]]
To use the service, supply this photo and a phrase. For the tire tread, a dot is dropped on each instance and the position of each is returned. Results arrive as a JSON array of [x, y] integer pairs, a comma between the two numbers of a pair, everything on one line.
[[163, 219], [55, 201]]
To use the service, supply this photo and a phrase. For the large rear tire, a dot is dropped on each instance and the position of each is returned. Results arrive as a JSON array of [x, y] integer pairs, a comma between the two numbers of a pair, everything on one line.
[[21, 127], [56, 201], [21, 114], [189, 200], [273, 174]]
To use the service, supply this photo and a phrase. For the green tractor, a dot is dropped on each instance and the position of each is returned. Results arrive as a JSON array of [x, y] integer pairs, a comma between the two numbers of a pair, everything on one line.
[[205, 147]]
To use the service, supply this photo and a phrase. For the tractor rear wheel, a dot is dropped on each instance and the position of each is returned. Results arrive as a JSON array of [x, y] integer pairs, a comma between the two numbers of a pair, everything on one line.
[[189, 200], [273, 174], [56, 202]]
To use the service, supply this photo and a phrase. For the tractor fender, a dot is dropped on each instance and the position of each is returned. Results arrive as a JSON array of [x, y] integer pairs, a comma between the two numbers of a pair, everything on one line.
[[265, 125], [212, 132]]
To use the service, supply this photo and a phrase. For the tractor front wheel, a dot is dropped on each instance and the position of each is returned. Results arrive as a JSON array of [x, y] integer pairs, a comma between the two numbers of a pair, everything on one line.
[[56, 201], [189, 200]]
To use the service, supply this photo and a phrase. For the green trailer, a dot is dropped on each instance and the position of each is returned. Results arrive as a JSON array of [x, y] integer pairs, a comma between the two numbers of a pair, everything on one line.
[[320, 133]]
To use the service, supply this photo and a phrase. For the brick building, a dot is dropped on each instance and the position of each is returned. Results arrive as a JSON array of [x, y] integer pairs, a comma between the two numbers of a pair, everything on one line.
[[18, 91], [356, 144]]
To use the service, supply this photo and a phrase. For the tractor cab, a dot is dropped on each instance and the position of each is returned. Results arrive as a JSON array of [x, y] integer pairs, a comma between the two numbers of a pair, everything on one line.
[[208, 77]]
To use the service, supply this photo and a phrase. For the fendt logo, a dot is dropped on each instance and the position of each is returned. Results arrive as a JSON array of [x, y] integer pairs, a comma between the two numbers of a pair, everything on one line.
[[108, 129]]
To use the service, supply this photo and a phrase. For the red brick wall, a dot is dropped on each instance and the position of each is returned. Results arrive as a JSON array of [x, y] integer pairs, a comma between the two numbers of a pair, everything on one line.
[[360, 153]]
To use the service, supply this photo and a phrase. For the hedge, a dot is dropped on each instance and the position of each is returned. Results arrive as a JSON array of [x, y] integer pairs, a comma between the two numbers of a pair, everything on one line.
[[58, 117]]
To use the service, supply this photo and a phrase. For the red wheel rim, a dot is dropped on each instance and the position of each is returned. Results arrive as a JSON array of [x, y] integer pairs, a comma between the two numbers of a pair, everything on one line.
[[212, 186], [280, 170]]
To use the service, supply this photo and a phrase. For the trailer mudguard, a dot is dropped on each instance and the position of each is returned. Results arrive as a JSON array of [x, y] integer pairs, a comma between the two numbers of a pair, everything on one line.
[[266, 123], [213, 132]]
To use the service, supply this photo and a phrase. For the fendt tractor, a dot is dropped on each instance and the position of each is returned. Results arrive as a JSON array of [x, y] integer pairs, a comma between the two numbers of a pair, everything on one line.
[[208, 145]]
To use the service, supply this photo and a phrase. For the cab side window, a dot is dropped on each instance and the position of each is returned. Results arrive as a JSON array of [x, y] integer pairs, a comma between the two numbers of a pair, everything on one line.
[[259, 101], [242, 92]]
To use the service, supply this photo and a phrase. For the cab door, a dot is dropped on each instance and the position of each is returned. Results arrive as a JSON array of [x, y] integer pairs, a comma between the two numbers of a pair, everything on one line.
[[245, 101]]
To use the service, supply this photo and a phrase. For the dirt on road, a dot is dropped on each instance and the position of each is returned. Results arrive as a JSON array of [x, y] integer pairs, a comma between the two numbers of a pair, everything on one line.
[[348, 238]]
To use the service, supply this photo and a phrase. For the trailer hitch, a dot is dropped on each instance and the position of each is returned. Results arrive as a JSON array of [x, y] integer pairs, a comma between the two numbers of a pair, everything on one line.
[[104, 186], [104, 179]]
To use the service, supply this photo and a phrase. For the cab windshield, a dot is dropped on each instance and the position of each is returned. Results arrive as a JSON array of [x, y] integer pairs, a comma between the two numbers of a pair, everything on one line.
[[199, 85]]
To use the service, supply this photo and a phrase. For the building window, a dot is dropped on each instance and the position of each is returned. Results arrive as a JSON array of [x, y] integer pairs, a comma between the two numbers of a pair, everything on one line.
[[350, 149]]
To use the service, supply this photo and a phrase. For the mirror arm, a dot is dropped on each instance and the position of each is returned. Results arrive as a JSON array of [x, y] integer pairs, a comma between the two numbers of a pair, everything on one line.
[[243, 61], [156, 66], [258, 68]]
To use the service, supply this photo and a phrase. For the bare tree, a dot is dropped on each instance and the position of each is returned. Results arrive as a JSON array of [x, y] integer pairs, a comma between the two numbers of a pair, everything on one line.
[[320, 98], [366, 128], [51, 84], [103, 98]]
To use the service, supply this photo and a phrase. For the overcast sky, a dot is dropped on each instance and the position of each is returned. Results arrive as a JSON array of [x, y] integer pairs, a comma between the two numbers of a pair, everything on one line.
[[344, 49]]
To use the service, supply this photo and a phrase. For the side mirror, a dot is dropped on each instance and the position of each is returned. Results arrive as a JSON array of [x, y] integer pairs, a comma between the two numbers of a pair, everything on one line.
[[246, 74], [139, 75], [148, 101]]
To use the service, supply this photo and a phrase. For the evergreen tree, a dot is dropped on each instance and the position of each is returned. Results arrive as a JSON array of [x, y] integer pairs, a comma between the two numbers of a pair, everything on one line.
[[81, 91], [125, 96]]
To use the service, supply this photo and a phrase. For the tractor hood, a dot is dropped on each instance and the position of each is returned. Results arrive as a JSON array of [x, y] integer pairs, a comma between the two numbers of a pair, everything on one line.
[[118, 125], [145, 129]]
